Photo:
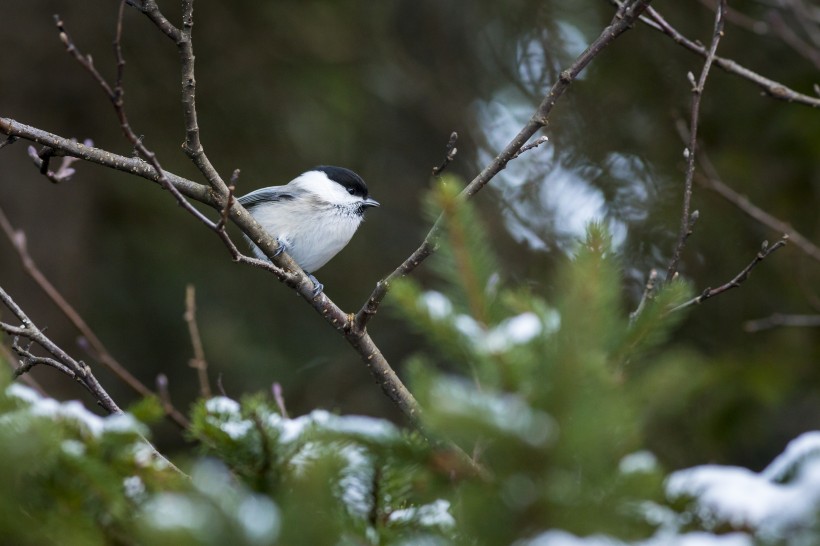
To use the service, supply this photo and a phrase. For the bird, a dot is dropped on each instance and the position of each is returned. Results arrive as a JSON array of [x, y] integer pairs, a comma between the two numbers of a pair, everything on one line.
[[312, 217]]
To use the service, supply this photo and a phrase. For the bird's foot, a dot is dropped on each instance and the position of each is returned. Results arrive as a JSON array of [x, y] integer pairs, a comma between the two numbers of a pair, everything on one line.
[[317, 286], [283, 245]]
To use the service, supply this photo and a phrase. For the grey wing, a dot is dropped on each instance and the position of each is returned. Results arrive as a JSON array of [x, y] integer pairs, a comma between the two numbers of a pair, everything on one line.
[[266, 195]]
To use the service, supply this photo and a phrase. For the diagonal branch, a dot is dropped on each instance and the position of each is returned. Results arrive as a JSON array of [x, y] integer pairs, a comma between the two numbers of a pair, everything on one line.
[[738, 279]]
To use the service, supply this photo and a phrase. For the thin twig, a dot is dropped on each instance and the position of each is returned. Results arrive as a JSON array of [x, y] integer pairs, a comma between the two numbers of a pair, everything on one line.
[[198, 362], [765, 251], [688, 219], [449, 156], [779, 319], [8, 356], [29, 360], [534, 144]]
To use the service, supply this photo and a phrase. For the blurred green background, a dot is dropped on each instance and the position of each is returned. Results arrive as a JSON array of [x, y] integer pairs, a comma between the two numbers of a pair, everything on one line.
[[379, 87]]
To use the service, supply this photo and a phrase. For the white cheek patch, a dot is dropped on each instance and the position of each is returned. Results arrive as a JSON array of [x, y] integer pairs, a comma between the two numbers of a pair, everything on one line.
[[319, 184]]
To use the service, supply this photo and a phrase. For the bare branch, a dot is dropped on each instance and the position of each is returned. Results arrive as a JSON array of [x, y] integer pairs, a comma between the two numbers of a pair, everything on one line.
[[793, 40], [534, 144], [198, 362], [738, 279], [61, 360], [287, 270], [776, 26], [220, 387], [151, 10], [292, 275], [226, 210], [130, 165], [281, 265], [688, 219], [6, 354]]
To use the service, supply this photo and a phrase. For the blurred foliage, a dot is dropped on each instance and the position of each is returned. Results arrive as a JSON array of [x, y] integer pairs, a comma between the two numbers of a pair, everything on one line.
[[545, 393], [552, 400], [378, 88]]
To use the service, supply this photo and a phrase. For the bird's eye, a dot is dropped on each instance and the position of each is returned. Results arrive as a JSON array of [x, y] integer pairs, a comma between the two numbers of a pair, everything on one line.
[[351, 191]]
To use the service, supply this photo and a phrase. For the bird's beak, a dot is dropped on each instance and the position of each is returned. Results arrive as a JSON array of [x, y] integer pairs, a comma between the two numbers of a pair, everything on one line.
[[369, 202]]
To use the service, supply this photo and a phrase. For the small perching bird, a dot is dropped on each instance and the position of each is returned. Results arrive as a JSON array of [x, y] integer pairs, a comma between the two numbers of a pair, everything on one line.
[[313, 217]]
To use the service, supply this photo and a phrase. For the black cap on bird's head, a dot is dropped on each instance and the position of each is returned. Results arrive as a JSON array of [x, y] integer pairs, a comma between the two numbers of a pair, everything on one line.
[[350, 181]]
